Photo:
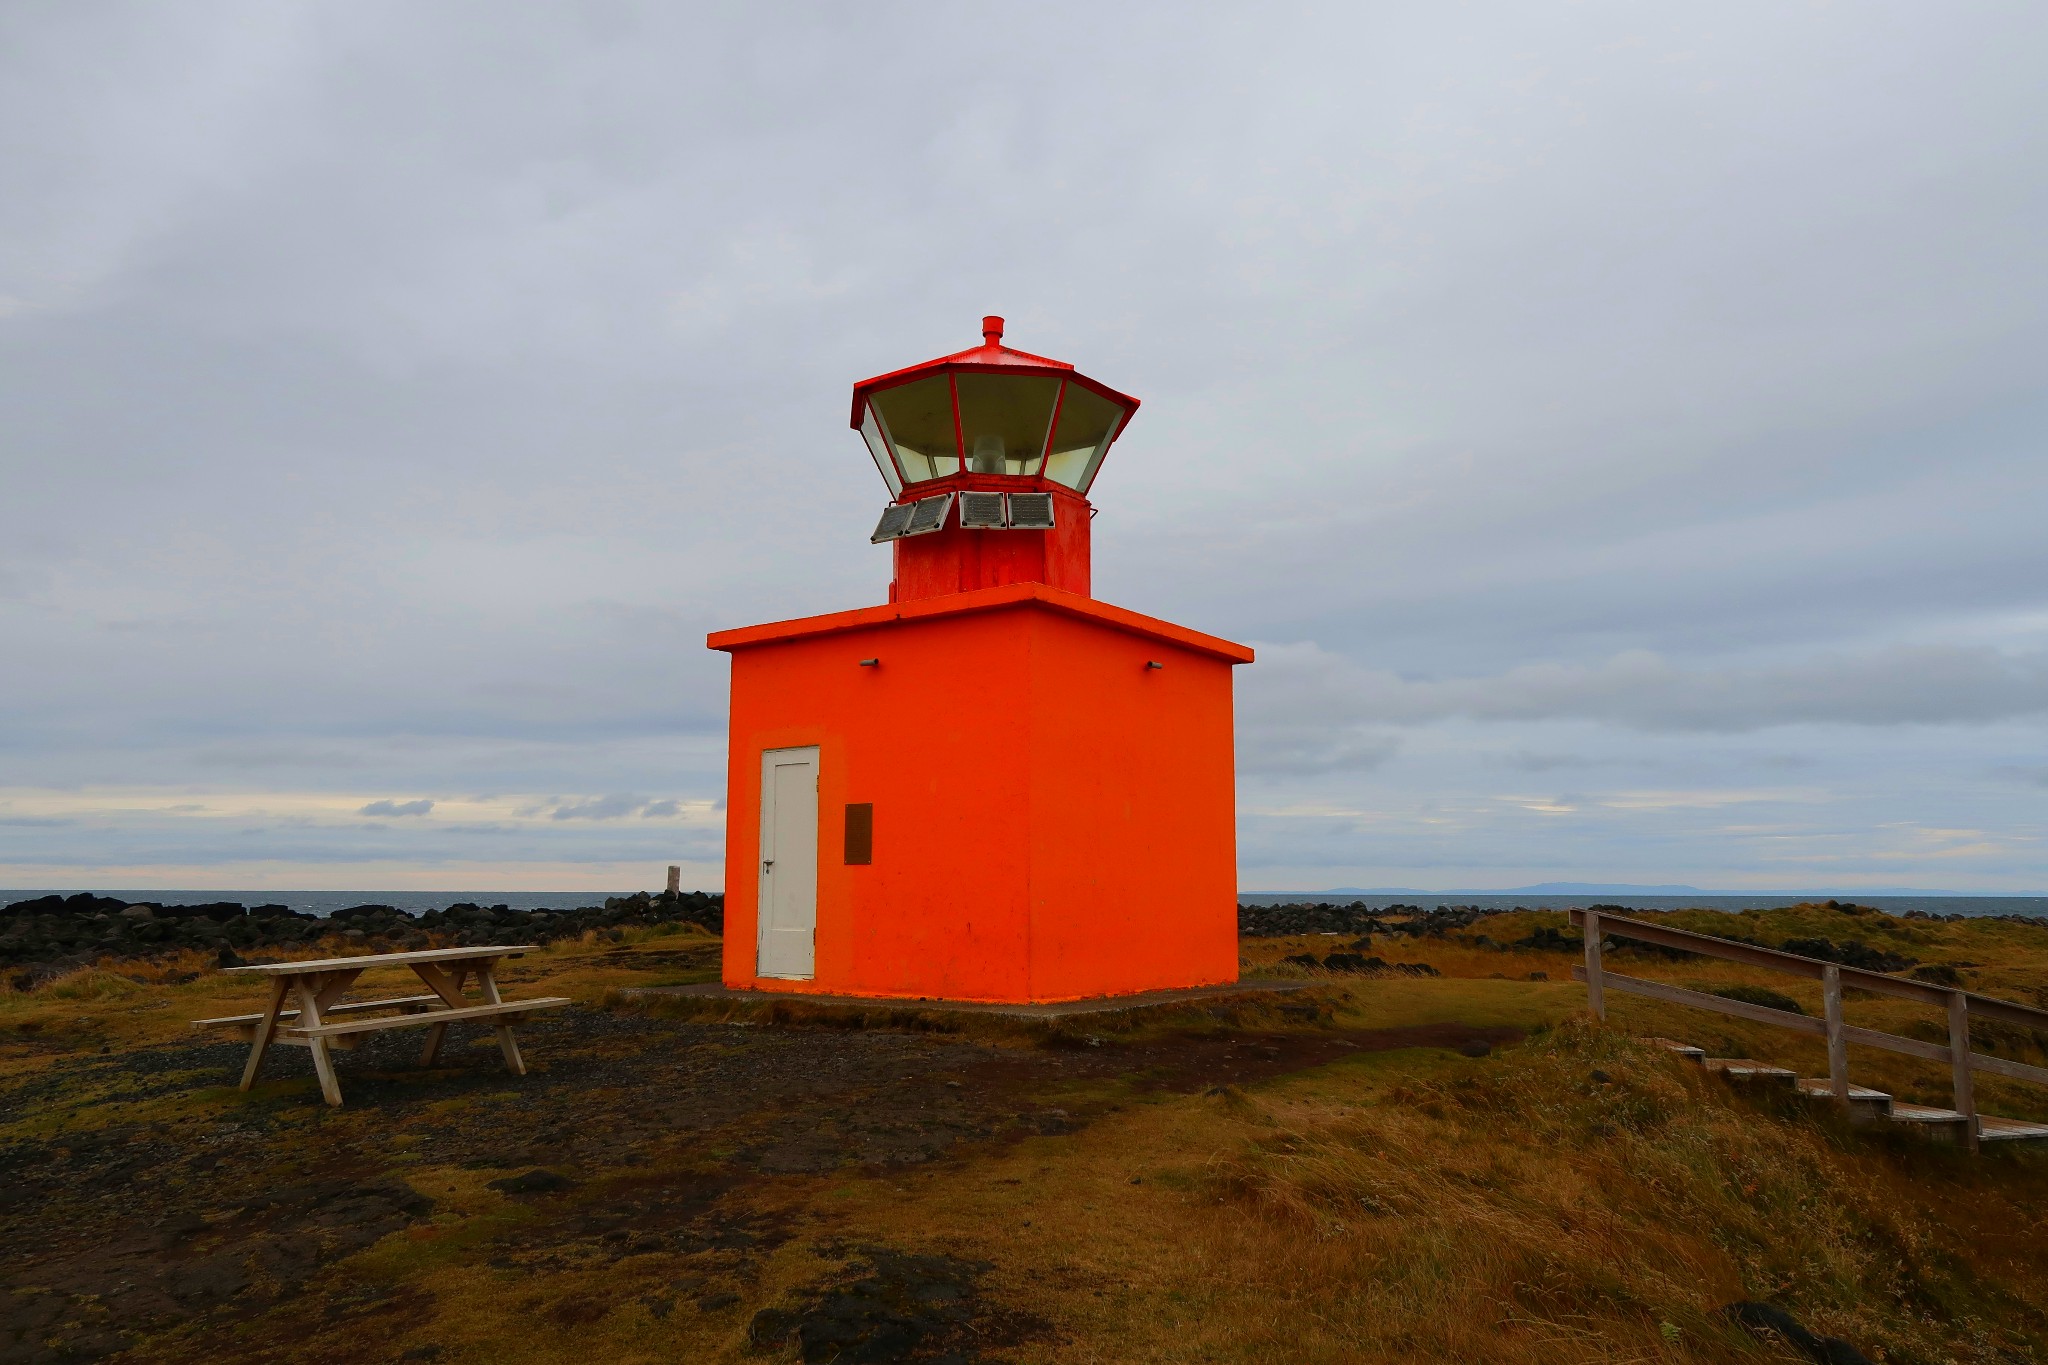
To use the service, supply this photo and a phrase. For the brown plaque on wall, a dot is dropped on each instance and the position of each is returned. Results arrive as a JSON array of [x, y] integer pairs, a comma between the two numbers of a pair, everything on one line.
[[860, 833]]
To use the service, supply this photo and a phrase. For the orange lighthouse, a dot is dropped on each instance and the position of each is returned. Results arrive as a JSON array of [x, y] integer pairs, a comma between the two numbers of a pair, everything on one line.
[[995, 787]]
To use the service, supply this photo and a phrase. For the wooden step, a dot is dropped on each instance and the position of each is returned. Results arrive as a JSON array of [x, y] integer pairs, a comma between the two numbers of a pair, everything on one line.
[[1939, 1125], [1865, 1105], [1685, 1050], [1742, 1071], [1991, 1128]]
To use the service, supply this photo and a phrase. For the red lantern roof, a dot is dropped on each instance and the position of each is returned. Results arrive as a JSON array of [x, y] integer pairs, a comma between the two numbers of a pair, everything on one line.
[[990, 357], [989, 411]]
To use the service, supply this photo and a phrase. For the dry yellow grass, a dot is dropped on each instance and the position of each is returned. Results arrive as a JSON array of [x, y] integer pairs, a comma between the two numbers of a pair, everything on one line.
[[1574, 1197], [1509, 1209]]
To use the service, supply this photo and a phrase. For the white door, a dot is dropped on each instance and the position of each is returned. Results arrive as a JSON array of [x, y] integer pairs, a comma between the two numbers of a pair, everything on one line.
[[789, 863]]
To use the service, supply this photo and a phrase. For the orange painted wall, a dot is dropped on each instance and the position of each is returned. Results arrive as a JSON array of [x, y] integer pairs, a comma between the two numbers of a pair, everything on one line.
[[1053, 820], [959, 560], [1133, 815]]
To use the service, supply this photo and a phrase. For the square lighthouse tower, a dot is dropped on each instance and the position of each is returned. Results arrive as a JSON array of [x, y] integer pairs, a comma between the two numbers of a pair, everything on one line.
[[995, 787]]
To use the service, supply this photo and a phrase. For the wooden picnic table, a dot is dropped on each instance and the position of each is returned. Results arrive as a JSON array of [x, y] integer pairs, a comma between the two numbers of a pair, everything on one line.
[[323, 1020]]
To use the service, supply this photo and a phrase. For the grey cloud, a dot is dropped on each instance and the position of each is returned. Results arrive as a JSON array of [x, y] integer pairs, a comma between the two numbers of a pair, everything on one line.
[[1693, 351], [1279, 749], [273, 755], [1525, 761], [420, 807], [1901, 685], [2033, 774], [598, 808]]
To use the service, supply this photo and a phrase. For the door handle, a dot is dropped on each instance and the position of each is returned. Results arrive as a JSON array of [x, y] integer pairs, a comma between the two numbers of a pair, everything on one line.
[[767, 863]]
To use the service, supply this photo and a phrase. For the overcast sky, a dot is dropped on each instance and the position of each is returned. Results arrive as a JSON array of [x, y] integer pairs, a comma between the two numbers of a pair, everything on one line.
[[1620, 427]]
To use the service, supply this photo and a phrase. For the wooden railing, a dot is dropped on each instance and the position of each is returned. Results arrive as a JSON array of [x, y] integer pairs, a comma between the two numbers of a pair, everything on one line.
[[1959, 1005]]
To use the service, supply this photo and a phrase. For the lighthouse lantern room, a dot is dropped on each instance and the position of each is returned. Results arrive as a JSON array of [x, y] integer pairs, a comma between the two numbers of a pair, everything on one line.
[[995, 787], [989, 439]]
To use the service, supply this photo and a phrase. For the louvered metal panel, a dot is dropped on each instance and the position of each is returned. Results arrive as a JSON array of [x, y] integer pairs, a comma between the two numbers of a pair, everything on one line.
[[1031, 511], [981, 511], [928, 515], [895, 521]]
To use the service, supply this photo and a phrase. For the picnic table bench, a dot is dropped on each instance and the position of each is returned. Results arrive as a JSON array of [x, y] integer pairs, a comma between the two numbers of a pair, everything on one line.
[[323, 1020]]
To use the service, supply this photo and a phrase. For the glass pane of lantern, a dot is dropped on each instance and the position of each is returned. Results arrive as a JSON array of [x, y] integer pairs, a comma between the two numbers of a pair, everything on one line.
[[1003, 418], [917, 419], [1087, 421], [871, 432]]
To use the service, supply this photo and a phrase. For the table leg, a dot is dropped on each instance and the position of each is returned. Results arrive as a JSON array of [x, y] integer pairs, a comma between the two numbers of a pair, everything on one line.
[[487, 979], [450, 992], [334, 985], [444, 984], [431, 1053], [309, 1017], [280, 986]]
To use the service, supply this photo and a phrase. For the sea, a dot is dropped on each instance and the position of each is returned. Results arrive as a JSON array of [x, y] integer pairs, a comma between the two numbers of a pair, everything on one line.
[[415, 902], [2035, 907], [324, 903]]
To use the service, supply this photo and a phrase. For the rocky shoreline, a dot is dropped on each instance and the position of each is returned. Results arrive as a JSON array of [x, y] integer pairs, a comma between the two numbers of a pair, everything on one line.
[[51, 935], [48, 935], [1331, 917]]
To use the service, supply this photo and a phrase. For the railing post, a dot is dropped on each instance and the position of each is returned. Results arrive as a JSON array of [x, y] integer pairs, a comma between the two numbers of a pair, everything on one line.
[[1838, 1047], [1595, 996], [1960, 1080]]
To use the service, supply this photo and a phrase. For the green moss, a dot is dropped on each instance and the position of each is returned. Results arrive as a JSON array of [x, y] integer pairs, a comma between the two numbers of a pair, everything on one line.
[[406, 1255]]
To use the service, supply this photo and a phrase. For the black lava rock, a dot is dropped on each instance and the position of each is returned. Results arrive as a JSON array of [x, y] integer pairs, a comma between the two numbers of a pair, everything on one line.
[[1326, 917], [1851, 953], [1357, 964], [902, 1307], [533, 1182], [1766, 1321], [50, 935], [770, 1328]]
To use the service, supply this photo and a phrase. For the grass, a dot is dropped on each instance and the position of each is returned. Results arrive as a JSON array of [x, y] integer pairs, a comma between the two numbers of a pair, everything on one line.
[[1574, 1197], [1544, 1213], [1209, 1016], [1506, 1210], [156, 997], [1760, 995]]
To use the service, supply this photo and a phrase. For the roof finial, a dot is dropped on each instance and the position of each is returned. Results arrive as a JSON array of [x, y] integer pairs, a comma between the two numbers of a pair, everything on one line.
[[992, 330]]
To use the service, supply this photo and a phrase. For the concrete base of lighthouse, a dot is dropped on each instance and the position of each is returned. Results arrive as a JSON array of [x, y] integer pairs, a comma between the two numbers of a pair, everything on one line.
[[1022, 796]]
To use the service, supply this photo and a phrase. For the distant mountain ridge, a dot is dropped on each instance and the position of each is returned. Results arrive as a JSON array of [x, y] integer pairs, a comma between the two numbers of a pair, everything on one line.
[[1540, 889], [1600, 889], [1634, 889]]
